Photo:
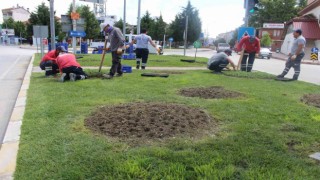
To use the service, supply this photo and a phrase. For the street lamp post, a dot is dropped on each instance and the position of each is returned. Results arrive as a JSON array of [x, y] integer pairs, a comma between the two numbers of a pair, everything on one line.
[[52, 28], [139, 20], [185, 36], [74, 24], [124, 17]]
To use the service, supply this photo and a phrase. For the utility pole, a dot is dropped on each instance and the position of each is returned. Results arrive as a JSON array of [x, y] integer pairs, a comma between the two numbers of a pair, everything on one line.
[[247, 14], [139, 20], [185, 36], [124, 17], [52, 26], [74, 24]]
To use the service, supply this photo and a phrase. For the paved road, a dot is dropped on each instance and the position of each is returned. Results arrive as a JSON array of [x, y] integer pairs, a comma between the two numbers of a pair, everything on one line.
[[13, 65], [309, 73]]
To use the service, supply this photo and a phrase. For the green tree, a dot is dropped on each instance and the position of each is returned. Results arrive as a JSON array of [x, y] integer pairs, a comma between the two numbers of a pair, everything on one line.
[[274, 11], [42, 17], [8, 23], [159, 28], [92, 27], [20, 29], [194, 24], [266, 40], [147, 22]]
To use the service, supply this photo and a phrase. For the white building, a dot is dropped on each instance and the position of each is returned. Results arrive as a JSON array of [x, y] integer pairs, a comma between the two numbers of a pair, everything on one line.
[[16, 13], [309, 23]]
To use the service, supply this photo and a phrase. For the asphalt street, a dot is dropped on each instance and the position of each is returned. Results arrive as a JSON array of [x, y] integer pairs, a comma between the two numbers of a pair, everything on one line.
[[13, 65], [309, 73]]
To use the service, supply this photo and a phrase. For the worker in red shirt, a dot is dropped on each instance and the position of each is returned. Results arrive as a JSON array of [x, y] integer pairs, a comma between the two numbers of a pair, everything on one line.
[[251, 46], [69, 68], [48, 62]]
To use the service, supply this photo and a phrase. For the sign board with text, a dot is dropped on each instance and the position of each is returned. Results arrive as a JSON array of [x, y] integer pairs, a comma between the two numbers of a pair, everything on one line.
[[8, 32], [273, 25]]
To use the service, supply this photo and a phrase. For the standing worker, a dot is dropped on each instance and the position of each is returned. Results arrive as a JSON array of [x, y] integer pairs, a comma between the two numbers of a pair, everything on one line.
[[69, 68], [251, 46], [295, 56], [220, 61], [48, 62], [116, 47], [142, 51]]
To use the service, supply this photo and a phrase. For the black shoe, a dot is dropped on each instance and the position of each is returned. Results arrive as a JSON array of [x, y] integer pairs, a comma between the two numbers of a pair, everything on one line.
[[217, 72], [138, 67], [119, 75], [280, 76], [143, 67]]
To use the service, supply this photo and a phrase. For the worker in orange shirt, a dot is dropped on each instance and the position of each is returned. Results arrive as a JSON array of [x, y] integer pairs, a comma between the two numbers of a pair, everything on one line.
[[48, 62], [69, 68], [251, 46]]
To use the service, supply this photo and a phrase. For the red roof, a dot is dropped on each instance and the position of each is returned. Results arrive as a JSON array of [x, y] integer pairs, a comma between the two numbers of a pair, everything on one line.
[[310, 30]]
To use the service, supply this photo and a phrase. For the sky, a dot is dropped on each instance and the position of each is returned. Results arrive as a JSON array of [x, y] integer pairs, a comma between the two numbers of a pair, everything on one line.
[[217, 16]]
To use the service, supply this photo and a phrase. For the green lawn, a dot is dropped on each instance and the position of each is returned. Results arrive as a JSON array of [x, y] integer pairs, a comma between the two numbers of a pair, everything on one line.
[[268, 134], [154, 60]]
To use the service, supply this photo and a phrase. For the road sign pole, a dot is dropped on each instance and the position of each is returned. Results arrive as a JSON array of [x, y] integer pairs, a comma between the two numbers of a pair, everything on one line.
[[185, 37], [52, 28], [74, 23], [247, 14]]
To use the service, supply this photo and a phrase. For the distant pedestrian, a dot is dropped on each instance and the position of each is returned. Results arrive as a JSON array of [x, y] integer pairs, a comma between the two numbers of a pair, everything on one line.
[[251, 46], [69, 68], [49, 63], [295, 56], [220, 61], [116, 47], [142, 51]]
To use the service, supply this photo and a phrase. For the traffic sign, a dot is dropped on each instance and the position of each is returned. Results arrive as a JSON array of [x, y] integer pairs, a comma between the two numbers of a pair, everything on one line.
[[245, 30], [197, 44], [77, 34], [315, 50], [171, 39]]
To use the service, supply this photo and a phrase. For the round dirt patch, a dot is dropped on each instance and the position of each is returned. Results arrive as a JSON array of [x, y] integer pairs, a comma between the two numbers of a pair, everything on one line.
[[147, 121], [312, 99], [215, 92]]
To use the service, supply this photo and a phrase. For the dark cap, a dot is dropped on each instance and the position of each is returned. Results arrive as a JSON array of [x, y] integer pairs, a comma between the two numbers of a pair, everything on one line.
[[298, 31], [61, 49], [228, 52]]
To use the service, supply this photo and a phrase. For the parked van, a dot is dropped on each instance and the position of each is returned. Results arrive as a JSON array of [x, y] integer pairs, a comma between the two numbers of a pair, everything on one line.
[[222, 47]]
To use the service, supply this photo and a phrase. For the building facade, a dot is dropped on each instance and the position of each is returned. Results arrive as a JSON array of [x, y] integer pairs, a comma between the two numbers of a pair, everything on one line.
[[275, 31], [16, 13], [309, 23]]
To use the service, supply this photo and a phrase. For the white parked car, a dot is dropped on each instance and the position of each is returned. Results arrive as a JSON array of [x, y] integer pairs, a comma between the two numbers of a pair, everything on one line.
[[265, 52]]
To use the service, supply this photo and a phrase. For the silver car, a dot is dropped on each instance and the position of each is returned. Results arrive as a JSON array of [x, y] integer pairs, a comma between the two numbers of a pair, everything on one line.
[[265, 52]]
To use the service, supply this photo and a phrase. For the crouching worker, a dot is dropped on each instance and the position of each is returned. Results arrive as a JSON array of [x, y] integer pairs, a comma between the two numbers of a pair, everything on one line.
[[48, 62], [69, 68], [220, 61]]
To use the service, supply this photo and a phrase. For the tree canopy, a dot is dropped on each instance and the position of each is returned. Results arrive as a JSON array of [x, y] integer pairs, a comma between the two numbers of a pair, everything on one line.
[[194, 24]]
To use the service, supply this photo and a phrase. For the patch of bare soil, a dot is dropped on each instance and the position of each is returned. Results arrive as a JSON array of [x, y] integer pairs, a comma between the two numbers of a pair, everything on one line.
[[147, 121], [215, 92], [311, 99]]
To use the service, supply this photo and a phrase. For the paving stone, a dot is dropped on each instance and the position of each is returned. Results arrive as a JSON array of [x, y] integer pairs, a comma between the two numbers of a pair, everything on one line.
[[21, 101], [13, 132], [17, 113], [8, 156], [8, 176]]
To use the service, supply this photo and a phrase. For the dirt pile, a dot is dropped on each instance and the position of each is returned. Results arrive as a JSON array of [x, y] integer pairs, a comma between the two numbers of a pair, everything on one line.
[[147, 121], [311, 99], [215, 92]]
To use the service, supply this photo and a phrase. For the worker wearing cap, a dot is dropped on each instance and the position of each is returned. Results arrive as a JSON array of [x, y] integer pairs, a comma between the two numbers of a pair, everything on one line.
[[295, 56], [220, 61], [142, 51], [251, 46], [48, 62], [117, 40], [69, 68]]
